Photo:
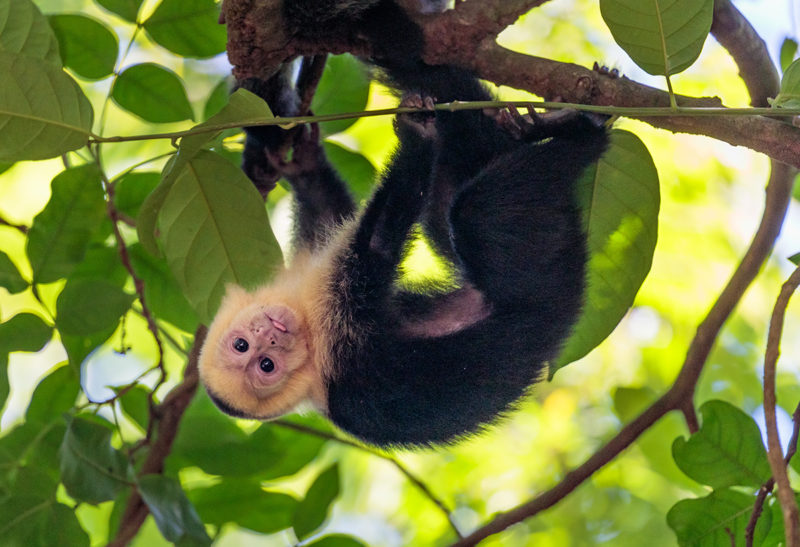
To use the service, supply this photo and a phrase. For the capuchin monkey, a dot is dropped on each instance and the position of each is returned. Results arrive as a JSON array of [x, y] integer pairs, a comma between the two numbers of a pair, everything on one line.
[[493, 193]]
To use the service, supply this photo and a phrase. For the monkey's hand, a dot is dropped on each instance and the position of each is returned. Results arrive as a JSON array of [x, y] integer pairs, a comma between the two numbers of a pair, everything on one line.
[[416, 124], [560, 123]]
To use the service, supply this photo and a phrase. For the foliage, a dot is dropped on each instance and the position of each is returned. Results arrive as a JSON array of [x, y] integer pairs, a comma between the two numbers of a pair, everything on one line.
[[129, 247]]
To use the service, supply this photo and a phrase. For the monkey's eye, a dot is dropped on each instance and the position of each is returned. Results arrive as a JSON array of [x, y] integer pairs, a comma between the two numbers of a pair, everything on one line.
[[241, 345], [267, 365]]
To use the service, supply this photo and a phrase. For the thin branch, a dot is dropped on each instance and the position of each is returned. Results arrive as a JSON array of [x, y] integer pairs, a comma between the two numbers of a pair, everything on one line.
[[416, 481], [791, 516]]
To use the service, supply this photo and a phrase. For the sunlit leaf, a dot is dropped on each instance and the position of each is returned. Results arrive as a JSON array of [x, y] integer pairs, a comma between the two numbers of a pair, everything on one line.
[[315, 507], [354, 168], [717, 519], [214, 230], [87, 46], [89, 306], [43, 112], [60, 234], [188, 27], [620, 200], [344, 87], [245, 503], [91, 469], [24, 30], [153, 93], [28, 521], [663, 37], [788, 52], [335, 540], [54, 395], [176, 518], [727, 451], [789, 96], [127, 9]]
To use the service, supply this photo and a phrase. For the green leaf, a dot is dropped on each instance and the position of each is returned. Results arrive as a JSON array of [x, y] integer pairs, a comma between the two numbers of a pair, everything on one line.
[[127, 9], [5, 385], [788, 53], [5, 167], [335, 540], [269, 452], [136, 404], [91, 469], [28, 521], [344, 87], [79, 347], [24, 332], [789, 96], [60, 234], [89, 306], [153, 93], [100, 262], [162, 293], [189, 28], [43, 112], [10, 277], [717, 519], [357, 170], [34, 444], [131, 189], [214, 233], [663, 37], [24, 30], [217, 99], [314, 509], [620, 200], [245, 503], [55, 395], [87, 46], [148, 212], [727, 451], [174, 515]]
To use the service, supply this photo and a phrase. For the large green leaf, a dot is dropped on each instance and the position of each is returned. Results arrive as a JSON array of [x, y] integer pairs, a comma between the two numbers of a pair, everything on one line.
[[60, 234], [43, 112], [91, 469], [55, 395], [89, 306], [24, 30], [717, 519], [10, 278], [344, 87], [127, 9], [727, 451], [176, 518], [87, 46], [214, 230], [189, 28], [663, 37], [314, 509], [620, 200], [24, 332], [354, 168], [29, 521], [131, 189], [153, 93], [245, 503]]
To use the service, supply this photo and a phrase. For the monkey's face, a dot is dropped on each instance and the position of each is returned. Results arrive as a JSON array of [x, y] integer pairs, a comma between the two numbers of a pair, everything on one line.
[[256, 360]]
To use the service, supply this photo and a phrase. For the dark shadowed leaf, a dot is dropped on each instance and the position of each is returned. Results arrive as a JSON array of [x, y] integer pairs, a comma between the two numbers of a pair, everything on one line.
[[24, 30], [315, 507], [60, 234], [29, 521], [217, 99], [717, 519], [132, 189], [344, 87], [54, 395], [162, 293], [33, 444], [101, 262], [620, 200], [354, 168], [91, 469], [245, 503], [79, 347], [43, 112], [663, 38], [188, 27], [127, 9], [5, 386], [727, 451], [135, 403], [10, 277], [24, 332], [214, 230], [89, 306], [153, 93], [87, 46], [176, 518]]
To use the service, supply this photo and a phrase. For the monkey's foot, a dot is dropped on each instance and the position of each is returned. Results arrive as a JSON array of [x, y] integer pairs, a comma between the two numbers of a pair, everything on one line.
[[605, 71], [423, 123], [534, 126]]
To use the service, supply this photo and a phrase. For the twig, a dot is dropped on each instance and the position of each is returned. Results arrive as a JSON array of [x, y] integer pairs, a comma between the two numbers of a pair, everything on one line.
[[791, 516], [416, 481]]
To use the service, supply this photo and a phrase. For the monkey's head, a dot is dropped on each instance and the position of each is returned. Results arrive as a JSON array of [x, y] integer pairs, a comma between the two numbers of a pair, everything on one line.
[[256, 361]]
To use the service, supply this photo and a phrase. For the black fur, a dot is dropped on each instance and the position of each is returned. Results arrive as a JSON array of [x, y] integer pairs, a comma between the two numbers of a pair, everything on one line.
[[419, 369]]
